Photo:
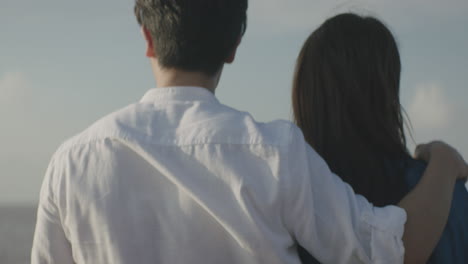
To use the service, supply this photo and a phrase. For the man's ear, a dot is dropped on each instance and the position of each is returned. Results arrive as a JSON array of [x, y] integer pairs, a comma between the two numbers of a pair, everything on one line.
[[232, 56], [149, 43]]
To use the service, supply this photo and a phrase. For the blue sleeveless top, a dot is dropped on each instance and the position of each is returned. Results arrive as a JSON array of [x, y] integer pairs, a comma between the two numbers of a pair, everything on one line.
[[453, 245]]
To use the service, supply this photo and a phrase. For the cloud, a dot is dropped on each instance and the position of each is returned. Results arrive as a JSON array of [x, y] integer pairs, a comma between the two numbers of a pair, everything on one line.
[[430, 108], [17, 115], [436, 116], [13, 89], [298, 15]]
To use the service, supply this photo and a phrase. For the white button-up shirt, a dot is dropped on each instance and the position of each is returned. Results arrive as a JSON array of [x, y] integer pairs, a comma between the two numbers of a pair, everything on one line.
[[181, 178]]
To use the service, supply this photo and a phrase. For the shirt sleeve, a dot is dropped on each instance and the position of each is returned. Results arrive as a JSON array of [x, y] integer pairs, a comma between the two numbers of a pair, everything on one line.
[[50, 244], [330, 221]]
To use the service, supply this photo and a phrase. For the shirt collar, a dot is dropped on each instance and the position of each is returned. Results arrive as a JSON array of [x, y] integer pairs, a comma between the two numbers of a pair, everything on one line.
[[179, 93]]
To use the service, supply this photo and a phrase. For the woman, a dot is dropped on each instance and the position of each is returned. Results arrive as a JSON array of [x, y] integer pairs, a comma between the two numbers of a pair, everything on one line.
[[346, 101]]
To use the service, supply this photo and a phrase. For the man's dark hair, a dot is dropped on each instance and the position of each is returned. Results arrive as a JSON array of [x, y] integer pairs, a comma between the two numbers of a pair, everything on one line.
[[193, 35]]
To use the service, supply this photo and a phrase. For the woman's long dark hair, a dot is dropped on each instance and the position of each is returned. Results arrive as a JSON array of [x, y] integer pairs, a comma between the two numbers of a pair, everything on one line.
[[346, 101]]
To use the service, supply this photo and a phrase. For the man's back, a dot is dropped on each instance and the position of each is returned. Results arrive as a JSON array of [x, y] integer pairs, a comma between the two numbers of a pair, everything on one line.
[[181, 178], [174, 180]]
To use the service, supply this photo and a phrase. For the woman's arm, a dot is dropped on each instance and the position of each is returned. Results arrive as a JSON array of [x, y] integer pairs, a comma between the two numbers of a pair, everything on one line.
[[428, 204]]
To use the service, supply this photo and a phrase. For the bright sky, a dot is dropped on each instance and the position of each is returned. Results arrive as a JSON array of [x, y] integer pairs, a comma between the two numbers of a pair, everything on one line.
[[64, 64]]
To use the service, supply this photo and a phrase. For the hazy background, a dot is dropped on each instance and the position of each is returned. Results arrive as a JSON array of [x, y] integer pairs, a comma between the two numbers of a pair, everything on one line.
[[64, 64]]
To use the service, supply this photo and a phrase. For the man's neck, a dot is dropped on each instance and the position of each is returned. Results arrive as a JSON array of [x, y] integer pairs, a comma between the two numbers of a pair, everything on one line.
[[174, 77]]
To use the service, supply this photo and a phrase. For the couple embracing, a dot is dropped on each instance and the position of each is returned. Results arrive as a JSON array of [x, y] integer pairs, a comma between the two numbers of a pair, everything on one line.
[[179, 177]]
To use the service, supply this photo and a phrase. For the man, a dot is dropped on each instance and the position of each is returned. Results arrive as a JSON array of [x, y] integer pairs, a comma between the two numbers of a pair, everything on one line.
[[181, 178]]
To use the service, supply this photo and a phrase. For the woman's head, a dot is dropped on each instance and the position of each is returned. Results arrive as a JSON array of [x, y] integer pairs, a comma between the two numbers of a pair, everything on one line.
[[346, 96]]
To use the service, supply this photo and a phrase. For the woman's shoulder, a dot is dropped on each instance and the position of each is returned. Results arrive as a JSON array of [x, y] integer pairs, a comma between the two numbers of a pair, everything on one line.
[[414, 169], [453, 245]]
